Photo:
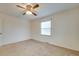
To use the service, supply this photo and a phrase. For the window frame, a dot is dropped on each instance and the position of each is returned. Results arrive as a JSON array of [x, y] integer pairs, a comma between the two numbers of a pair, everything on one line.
[[45, 20]]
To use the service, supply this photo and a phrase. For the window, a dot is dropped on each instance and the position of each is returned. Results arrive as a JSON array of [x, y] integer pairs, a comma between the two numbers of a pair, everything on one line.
[[46, 27]]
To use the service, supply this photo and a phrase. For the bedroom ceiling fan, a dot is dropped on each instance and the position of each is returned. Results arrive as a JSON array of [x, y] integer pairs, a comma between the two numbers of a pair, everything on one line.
[[29, 8]]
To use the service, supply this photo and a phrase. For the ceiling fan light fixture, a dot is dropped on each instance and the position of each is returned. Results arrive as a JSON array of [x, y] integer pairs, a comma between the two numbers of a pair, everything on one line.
[[29, 8], [28, 12]]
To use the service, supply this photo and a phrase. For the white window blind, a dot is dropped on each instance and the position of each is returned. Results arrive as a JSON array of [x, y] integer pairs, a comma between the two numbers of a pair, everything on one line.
[[46, 27]]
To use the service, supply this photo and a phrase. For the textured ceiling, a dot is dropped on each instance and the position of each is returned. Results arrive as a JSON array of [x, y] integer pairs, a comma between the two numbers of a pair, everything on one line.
[[45, 9]]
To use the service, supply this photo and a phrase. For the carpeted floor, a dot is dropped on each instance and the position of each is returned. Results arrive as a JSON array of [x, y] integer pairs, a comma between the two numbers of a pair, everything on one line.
[[34, 48]]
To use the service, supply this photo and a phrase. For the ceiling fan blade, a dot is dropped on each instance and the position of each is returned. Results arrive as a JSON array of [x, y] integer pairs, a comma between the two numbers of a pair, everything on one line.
[[20, 6], [36, 6], [24, 13], [34, 14]]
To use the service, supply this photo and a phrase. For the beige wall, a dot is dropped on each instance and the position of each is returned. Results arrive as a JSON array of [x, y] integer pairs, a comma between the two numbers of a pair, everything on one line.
[[65, 29], [14, 29]]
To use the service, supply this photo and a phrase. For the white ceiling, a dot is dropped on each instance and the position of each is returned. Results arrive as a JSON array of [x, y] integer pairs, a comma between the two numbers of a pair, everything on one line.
[[45, 9]]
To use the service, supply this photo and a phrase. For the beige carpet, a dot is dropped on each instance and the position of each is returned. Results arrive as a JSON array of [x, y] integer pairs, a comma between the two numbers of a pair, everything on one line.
[[34, 48]]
